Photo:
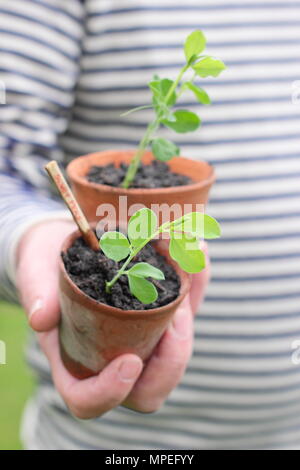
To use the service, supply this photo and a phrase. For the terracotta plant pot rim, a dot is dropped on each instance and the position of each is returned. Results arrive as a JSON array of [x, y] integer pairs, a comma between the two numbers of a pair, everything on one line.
[[82, 180], [96, 306]]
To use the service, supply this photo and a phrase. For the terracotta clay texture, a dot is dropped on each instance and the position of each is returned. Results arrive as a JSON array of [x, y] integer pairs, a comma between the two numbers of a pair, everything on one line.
[[187, 198], [92, 334]]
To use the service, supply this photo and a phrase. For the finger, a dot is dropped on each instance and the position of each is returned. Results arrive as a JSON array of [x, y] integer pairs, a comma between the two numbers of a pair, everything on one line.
[[92, 397], [200, 282], [167, 365], [37, 273]]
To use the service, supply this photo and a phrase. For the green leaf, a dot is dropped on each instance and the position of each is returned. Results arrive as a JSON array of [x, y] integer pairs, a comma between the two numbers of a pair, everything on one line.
[[169, 115], [195, 43], [165, 87], [164, 150], [212, 228], [209, 67], [193, 223], [185, 251], [141, 226], [115, 245], [160, 89], [155, 87], [146, 270], [200, 94], [142, 289], [198, 224], [186, 121]]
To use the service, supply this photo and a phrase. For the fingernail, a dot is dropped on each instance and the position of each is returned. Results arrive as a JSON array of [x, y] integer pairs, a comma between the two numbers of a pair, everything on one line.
[[129, 370], [36, 307], [181, 325]]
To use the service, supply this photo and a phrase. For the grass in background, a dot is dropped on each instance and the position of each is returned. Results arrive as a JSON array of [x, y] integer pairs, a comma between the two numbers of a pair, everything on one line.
[[16, 382]]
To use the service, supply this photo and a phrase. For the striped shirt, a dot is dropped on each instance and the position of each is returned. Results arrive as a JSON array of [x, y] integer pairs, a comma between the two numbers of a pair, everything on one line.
[[70, 69]]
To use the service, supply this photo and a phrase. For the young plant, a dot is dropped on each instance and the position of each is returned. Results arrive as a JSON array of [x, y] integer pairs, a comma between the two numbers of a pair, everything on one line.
[[184, 234], [165, 95]]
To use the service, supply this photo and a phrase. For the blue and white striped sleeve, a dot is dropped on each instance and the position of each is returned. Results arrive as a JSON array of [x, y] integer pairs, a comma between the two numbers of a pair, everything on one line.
[[40, 44]]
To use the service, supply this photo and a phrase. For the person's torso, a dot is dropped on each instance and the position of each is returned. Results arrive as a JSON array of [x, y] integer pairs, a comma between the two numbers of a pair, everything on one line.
[[241, 388]]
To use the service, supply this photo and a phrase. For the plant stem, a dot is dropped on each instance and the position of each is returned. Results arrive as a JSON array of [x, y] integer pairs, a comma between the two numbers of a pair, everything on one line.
[[161, 229], [139, 108], [176, 82], [131, 172], [151, 129], [109, 284]]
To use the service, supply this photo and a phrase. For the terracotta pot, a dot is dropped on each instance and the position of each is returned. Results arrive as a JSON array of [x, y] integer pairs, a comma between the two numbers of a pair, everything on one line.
[[92, 195], [92, 334]]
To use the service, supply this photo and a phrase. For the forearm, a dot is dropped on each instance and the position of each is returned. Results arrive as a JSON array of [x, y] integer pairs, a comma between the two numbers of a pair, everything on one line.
[[39, 95]]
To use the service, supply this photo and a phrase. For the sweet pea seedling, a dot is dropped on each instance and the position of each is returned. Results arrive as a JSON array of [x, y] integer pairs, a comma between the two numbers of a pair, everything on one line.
[[184, 234], [165, 94]]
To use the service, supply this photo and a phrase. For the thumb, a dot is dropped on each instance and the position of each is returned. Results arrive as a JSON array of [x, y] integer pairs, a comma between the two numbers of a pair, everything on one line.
[[37, 273]]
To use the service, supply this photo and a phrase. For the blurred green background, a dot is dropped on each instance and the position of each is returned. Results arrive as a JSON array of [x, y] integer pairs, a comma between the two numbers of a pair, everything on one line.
[[16, 381]]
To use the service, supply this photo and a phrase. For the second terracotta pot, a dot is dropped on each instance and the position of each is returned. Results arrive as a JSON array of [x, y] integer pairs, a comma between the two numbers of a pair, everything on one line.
[[92, 334], [171, 202]]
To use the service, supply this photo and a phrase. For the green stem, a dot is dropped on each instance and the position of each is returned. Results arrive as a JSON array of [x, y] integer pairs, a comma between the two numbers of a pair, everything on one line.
[[133, 167], [161, 229], [134, 110], [151, 129], [109, 284], [182, 89], [176, 82]]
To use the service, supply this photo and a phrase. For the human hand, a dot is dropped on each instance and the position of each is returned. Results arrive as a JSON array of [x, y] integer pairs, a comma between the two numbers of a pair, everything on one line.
[[123, 381]]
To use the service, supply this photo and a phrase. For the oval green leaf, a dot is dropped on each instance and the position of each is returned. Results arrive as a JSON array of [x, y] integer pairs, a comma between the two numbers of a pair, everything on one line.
[[142, 289], [186, 121], [198, 224], [160, 88], [212, 228], [193, 223], [164, 149], [195, 43], [209, 67], [115, 245], [185, 251], [141, 226], [146, 270], [200, 94]]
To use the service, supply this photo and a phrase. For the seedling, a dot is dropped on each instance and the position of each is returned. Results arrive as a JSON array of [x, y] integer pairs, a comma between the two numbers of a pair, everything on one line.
[[184, 234], [165, 95]]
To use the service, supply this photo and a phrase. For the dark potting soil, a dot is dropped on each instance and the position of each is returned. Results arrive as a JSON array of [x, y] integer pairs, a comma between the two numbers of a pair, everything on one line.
[[89, 270], [155, 175]]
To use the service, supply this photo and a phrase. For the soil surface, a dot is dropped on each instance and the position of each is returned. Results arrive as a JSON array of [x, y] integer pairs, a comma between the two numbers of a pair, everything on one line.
[[155, 175], [89, 270]]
